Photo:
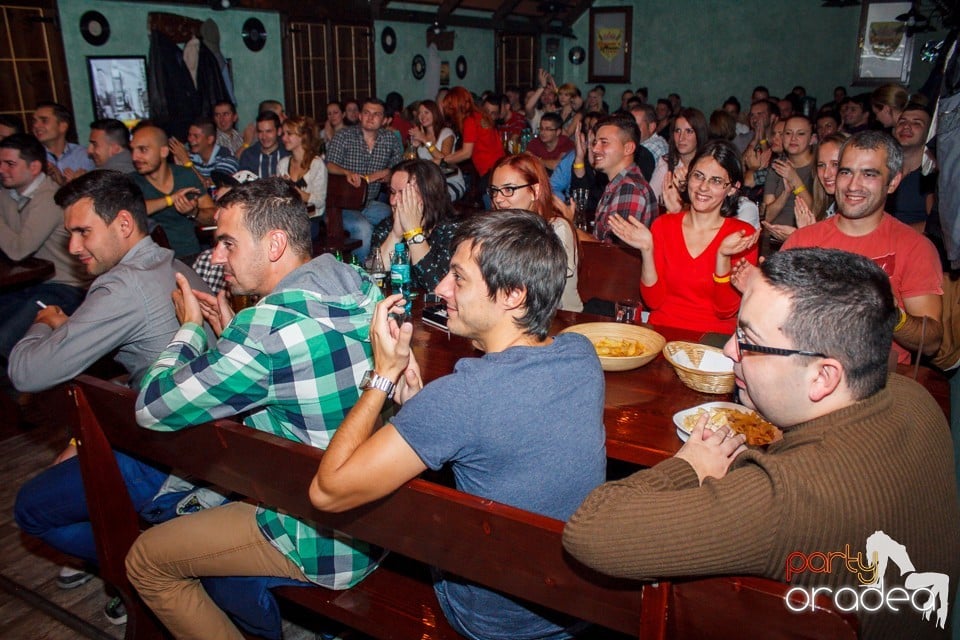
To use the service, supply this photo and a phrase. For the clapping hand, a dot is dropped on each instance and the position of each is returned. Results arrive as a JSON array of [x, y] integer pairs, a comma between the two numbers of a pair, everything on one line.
[[185, 302], [738, 242], [743, 272], [390, 342], [179, 151], [216, 310], [779, 231], [803, 214], [631, 231]]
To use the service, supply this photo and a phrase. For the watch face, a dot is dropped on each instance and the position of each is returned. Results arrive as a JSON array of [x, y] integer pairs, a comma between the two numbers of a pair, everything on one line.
[[417, 239]]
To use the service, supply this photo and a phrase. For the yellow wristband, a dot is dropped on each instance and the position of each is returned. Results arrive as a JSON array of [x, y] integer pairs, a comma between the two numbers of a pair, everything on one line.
[[73, 442], [579, 165], [902, 321], [799, 190], [409, 234], [246, 145], [763, 142], [721, 279], [168, 200], [188, 164]]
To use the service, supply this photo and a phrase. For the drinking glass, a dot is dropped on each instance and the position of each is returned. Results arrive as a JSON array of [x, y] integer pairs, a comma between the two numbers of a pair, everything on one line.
[[628, 311]]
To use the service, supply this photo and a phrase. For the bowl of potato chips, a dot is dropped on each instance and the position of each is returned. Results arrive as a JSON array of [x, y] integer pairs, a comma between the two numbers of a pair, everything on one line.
[[620, 346]]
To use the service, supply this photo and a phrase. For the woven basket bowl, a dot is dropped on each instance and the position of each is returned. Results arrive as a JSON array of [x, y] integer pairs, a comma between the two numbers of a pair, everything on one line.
[[651, 340], [702, 381]]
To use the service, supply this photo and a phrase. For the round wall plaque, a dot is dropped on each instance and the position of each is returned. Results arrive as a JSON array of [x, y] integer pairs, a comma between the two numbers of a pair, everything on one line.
[[94, 28], [419, 67], [388, 40], [254, 34], [577, 55]]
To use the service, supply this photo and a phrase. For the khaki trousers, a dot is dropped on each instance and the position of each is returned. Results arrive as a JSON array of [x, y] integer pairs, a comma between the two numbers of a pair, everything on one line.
[[166, 562]]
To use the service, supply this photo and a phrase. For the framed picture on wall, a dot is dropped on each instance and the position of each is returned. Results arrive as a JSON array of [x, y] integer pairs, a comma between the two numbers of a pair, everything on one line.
[[611, 30], [884, 48], [118, 86]]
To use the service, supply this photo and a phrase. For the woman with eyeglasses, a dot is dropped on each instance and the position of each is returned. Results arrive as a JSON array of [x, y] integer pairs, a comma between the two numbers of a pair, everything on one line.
[[687, 256], [521, 182], [423, 218]]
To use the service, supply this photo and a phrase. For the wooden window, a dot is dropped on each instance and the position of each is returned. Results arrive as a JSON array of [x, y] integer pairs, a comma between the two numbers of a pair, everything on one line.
[[516, 61], [31, 61], [354, 47]]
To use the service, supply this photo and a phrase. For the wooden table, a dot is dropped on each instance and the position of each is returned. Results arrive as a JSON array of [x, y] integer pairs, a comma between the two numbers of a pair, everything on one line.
[[640, 404], [29, 271]]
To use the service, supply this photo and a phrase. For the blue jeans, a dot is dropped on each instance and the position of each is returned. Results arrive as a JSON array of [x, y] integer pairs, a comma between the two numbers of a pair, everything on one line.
[[53, 505], [360, 224], [19, 308]]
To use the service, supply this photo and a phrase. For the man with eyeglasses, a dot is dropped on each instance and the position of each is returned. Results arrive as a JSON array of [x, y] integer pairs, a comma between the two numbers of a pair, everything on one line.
[[365, 154], [861, 452], [550, 145], [627, 194], [871, 167]]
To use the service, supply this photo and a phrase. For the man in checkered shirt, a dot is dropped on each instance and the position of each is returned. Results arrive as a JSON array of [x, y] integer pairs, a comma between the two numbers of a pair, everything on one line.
[[365, 154], [627, 194], [295, 360]]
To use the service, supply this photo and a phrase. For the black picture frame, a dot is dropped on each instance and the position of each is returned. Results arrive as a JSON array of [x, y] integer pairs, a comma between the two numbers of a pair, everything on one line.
[[118, 88], [611, 33]]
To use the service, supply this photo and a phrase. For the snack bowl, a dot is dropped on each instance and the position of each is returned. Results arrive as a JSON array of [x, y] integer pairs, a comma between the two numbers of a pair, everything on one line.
[[701, 367], [649, 340]]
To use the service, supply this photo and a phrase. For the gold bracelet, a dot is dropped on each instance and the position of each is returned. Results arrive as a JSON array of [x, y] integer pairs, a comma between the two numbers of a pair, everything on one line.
[[721, 279], [903, 320], [168, 200], [409, 234], [579, 165], [799, 190], [188, 164]]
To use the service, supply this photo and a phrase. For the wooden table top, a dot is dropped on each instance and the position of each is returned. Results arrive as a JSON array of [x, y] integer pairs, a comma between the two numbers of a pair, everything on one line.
[[640, 404], [29, 271]]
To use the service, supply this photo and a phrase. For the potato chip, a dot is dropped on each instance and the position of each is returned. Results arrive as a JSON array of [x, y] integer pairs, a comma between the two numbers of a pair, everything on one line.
[[757, 430], [618, 347]]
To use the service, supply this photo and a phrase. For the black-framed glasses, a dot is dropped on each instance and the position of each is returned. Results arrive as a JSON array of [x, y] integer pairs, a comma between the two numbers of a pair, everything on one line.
[[743, 346], [507, 190]]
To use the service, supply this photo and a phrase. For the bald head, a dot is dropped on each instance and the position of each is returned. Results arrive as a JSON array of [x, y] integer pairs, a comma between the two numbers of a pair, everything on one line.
[[149, 150]]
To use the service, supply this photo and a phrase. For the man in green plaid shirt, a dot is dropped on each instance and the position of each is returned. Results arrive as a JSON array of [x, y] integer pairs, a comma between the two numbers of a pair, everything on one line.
[[296, 360]]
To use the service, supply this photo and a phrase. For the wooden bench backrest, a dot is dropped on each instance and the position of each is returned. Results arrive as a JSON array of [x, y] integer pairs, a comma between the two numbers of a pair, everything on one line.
[[508, 549], [341, 195], [608, 272]]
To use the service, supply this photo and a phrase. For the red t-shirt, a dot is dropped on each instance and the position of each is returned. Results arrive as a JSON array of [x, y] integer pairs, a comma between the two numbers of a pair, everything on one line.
[[917, 271], [487, 148], [685, 294], [537, 148]]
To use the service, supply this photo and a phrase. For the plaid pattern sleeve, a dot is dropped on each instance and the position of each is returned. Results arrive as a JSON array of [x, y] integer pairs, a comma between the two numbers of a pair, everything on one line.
[[220, 160], [349, 150], [628, 194], [303, 372], [210, 273]]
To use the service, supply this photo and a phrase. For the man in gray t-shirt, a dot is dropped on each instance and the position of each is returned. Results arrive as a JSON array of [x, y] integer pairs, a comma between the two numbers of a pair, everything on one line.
[[497, 419]]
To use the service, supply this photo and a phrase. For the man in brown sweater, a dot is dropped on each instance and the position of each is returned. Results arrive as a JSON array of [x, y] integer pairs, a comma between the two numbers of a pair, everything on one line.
[[866, 463]]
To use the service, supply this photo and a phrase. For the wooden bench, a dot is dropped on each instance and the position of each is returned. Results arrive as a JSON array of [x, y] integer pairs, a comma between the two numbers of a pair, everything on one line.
[[504, 548]]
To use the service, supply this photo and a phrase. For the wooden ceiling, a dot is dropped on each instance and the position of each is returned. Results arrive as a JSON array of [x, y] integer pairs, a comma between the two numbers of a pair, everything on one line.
[[512, 16]]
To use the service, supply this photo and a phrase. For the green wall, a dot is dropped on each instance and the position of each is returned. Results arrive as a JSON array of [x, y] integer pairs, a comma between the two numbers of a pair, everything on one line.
[[256, 75], [394, 70]]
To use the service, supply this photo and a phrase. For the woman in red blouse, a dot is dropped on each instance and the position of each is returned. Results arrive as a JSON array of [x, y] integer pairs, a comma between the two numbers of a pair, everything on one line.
[[479, 140], [687, 256]]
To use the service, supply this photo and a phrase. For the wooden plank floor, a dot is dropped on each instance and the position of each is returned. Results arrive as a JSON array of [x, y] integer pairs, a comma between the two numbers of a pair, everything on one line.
[[28, 568]]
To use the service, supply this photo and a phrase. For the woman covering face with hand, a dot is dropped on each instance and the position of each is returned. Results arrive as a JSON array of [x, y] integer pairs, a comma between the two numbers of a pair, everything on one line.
[[687, 256], [423, 218]]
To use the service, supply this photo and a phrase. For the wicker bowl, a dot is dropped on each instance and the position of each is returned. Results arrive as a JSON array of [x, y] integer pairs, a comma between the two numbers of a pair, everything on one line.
[[698, 379], [651, 341]]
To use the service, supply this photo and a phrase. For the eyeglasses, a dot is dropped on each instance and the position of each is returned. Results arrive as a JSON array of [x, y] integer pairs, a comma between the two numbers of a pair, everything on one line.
[[715, 182], [743, 346], [506, 191], [549, 129]]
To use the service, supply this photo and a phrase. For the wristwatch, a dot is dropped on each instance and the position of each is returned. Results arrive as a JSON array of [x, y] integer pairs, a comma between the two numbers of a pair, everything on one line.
[[373, 380], [428, 145], [416, 238]]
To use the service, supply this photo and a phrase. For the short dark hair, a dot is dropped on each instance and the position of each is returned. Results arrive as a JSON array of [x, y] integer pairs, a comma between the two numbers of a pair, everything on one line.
[[115, 130], [519, 250], [272, 203], [206, 125], [732, 100], [874, 140], [59, 111], [762, 89], [233, 107], [372, 100], [111, 192], [629, 130], [266, 104], [832, 114], [649, 113], [31, 150], [727, 156], [394, 103], [555, 118], [13, 122], [642, 91], [843, 306], [263, 116]]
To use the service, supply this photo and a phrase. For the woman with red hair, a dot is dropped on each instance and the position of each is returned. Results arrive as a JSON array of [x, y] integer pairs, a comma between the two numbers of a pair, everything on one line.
[[479, 139], [521, 182]]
